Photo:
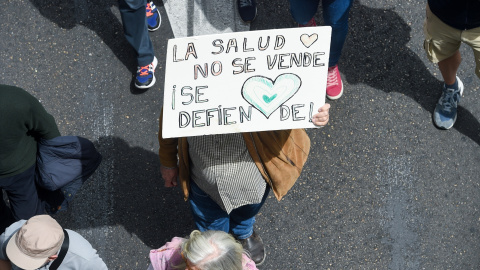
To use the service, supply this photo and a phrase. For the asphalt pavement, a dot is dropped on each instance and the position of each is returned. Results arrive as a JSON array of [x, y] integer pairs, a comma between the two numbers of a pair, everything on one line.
[[382, 189]]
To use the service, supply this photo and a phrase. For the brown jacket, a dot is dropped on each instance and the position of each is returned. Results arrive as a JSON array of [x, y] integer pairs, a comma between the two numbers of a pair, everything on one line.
[[279, 156]]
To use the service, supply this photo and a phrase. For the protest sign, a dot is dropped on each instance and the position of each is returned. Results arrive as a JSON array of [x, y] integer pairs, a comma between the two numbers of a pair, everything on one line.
[[245, 81]]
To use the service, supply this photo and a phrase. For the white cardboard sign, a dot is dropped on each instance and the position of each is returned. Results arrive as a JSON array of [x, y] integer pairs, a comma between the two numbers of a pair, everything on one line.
[[245, 81]]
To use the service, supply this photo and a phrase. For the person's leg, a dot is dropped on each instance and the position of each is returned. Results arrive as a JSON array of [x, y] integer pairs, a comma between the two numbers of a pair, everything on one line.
[[335, 14], [441, 46], [449, 67], [207, 214], [472, 38], [241, 226], [476, 52], [303, 10], [134, 19], [135, 27], [22, 194], [6, 217], [243, 218]]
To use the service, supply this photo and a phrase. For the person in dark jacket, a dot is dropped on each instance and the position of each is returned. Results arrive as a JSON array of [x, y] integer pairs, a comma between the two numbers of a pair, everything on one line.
[[23, 120], [447, 25]]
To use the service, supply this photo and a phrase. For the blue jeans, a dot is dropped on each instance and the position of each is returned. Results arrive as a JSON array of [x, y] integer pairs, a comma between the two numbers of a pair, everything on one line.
[[208, 215], [135, 27], [335, 14]]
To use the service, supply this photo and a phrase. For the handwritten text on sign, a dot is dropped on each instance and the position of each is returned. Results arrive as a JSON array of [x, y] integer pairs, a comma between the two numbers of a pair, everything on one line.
[[245, 81]]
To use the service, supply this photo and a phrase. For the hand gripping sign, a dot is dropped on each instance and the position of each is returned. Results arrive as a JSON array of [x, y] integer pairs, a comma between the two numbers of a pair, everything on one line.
[[245, 81]]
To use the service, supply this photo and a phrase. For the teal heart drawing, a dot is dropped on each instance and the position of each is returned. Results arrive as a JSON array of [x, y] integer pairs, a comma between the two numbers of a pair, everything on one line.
[[269, 99], [267, 95]]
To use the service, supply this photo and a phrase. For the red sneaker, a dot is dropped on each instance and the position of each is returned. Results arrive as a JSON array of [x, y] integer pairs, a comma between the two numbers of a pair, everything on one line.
[[334, 83], [312, 22]]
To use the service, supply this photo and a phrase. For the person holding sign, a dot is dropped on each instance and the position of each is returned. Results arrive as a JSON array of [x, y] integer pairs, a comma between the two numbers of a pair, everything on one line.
[[226, 178], [335, 14]]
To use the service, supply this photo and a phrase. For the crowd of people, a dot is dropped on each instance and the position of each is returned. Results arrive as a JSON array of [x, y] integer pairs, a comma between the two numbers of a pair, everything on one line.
[[225, 178]]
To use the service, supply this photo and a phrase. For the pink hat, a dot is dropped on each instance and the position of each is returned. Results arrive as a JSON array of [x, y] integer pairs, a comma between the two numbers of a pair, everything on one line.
[[39, 238]]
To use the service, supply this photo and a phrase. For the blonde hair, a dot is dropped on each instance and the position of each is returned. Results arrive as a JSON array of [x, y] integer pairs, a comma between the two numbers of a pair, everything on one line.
[[212, 250]]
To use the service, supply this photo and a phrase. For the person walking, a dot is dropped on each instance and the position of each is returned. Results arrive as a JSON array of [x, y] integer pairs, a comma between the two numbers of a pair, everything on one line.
[[448, 23], [138, 18]]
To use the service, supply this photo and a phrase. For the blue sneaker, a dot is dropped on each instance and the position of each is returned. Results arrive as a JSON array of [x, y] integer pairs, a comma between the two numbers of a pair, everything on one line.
[[146, 75], [153, 17], [445, 113]]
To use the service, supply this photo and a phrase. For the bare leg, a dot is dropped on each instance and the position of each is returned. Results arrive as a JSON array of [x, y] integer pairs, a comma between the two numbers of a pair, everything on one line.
[[448, 67]]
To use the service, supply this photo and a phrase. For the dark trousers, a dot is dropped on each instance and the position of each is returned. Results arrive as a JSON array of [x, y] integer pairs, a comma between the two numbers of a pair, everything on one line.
[[134, 19], [22, 194]]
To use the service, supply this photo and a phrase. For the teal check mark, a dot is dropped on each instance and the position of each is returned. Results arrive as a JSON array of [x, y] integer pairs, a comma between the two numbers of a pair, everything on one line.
[[269, 99]]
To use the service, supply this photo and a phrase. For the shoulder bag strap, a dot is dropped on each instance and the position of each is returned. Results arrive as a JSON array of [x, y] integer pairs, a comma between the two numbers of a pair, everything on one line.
[[61, 255]]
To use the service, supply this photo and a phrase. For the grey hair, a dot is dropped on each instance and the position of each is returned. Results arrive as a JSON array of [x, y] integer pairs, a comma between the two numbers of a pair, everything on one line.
[[212, 250]]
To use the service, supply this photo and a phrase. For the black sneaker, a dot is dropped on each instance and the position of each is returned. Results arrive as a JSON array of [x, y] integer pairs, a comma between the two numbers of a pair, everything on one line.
[[146, 75], [247, 10], [153, 17], [255, 247]]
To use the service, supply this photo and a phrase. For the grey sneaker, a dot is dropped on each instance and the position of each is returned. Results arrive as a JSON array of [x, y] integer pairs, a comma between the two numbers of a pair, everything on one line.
[[445, 113]]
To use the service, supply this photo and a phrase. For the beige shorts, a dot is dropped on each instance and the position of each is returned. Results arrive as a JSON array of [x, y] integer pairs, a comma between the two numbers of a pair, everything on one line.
[[442, 40]]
